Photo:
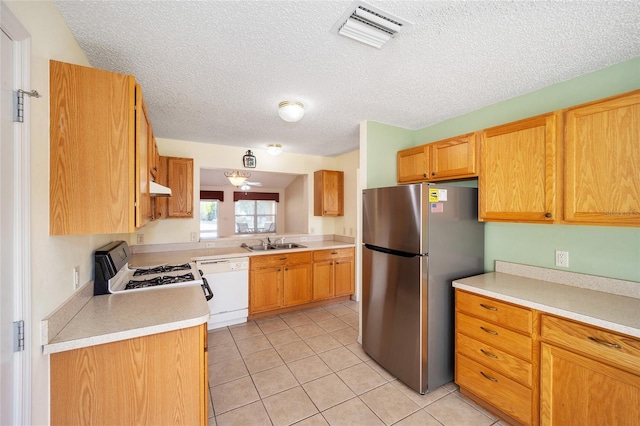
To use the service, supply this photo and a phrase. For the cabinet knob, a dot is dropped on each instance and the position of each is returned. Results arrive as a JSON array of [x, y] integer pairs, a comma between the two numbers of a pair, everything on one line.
[[286, 269], [331, 263], [547, 215], [424, 175], [433, 173]]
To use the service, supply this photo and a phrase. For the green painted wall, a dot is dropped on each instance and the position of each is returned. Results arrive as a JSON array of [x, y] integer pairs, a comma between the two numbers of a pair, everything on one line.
[[383, 142], [597, 250]]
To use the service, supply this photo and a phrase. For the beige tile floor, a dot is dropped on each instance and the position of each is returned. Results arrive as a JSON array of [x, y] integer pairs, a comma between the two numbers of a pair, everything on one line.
[[307, 368]]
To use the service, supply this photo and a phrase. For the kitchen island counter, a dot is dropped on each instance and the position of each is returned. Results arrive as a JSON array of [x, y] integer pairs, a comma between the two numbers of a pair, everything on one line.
[[114, 317], [603, 302]]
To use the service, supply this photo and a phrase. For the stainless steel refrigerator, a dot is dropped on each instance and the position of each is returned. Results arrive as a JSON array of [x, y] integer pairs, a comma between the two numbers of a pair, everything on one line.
[[417, 239]]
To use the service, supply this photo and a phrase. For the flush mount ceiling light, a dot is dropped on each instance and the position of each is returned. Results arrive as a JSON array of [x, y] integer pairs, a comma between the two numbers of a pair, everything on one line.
[[236, 177], [274, 149], [369, 25], [291, 111]]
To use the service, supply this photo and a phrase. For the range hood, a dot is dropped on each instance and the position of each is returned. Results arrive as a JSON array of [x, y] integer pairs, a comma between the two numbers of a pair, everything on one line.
[[157, 190]]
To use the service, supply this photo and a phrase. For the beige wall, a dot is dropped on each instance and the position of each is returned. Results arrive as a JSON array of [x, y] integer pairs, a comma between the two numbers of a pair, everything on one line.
[[297, 222], [52, 258], [222, 156]]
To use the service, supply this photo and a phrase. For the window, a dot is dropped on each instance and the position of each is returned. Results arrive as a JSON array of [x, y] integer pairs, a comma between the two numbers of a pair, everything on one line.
[[255, 216], [209, 213], [208, 218]]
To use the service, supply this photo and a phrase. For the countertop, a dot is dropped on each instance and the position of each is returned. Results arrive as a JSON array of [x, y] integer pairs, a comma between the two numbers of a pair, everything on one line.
[[182, 256], [599, 308], [114, 317], [87, 320]]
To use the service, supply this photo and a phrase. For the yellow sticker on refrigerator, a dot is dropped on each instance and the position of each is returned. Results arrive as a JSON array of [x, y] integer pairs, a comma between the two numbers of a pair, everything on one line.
[[433, 195]]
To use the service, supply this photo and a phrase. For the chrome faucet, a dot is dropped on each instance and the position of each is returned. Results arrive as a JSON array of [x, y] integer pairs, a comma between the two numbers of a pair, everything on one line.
[[282, 240]]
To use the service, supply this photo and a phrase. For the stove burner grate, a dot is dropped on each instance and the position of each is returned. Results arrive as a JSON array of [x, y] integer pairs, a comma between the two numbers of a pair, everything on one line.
[[161, 269], [134, 284]]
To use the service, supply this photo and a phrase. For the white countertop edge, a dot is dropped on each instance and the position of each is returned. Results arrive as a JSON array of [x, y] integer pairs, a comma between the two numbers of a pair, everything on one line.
[[67, 345], [631, 331]]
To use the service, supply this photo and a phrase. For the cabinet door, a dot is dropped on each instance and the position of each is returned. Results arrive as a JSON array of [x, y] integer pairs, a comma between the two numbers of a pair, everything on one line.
[[344, 282], [92, 146], [328, 193], [413, 164], [518, 171], [160, 203], [602, 154], [454, 158], [144, 380], [297, 284], [143, 137], [576, 390], [180, 180], [265, 289], [323, 280]]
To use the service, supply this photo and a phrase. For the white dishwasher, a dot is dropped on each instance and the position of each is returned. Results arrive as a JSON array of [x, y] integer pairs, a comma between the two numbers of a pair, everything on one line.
[[229, 282]]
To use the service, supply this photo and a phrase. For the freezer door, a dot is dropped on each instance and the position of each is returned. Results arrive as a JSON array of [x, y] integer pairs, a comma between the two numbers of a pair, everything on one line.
[[392, 218], [394, 314]]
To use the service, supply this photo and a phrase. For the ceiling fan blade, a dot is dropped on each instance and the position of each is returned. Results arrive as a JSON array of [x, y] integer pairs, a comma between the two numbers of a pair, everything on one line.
[[254, 183]]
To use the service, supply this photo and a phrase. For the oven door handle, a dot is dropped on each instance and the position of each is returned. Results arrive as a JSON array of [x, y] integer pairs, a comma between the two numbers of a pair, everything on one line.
[[207, 290]]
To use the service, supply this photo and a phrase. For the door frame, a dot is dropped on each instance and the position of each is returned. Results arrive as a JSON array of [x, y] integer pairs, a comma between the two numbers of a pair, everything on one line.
[[22, 210]]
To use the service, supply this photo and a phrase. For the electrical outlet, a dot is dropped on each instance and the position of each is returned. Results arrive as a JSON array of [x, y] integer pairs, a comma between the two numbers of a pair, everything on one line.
[[194, 236], [562, 258], [351, 232], [209, 245], [140, 239], [303, 239], [76, 277], [313, 230]]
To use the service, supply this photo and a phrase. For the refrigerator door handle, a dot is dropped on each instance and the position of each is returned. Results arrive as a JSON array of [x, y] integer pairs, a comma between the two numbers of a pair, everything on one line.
[[393, 252]]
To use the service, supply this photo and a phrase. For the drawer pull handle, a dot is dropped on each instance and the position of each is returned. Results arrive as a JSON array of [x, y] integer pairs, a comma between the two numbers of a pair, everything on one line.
[[601, 342], [493, 379], [491, 308], [486, 330], [489, 354]]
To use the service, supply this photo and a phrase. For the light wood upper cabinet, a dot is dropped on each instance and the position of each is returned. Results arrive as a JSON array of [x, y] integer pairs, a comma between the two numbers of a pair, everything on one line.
[[454, 158], [413, 164], [180, 180], [144, 136], [328, 199], [96, 186], [144, 380], [517, 180], [602, 162]]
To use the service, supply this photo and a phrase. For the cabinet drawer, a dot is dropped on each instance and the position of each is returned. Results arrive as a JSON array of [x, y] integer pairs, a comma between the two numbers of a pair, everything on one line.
[[280, 259], [320, 255], [608, 346], [496, 359], [493, 310], [503, 393], [495, 335]]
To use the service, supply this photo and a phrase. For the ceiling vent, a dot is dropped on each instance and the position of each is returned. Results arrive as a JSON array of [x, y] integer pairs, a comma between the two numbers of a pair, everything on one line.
[[369, 25]]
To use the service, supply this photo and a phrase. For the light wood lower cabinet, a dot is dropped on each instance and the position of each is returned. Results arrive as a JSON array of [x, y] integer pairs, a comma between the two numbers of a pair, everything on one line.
[[496, 356], [279, 280], [333, 273], [156, 379], [589, 376], [284, 280]]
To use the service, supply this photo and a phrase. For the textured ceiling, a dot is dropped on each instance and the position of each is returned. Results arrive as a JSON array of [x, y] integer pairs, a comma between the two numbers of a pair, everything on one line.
[[215, 71]]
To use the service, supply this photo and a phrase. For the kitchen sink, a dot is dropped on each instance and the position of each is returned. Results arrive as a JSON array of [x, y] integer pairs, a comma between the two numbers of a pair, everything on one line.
[[263, 247], [288, 246]]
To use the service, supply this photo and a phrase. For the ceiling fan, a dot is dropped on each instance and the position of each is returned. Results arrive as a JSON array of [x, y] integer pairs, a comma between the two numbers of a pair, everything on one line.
[[247, 185]]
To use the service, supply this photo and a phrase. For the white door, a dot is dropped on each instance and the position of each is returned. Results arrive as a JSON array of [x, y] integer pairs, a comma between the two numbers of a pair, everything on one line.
[[14, 225], [7, 276]]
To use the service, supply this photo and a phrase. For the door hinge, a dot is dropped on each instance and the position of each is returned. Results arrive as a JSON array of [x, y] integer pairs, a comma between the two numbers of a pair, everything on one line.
[[18, 103], [18, 336]]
